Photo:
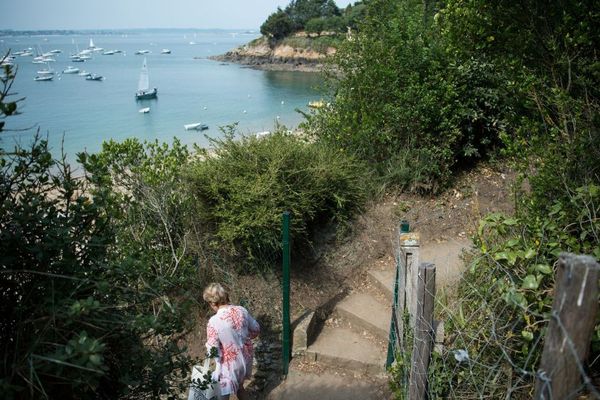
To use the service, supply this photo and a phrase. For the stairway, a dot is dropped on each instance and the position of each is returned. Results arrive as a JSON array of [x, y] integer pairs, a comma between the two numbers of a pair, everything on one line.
[[355, 336], [347, 358]]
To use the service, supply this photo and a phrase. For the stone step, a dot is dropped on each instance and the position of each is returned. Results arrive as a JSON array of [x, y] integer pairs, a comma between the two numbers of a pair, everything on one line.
[[302, 385], [344, 348], [383, 281], [364, 311]]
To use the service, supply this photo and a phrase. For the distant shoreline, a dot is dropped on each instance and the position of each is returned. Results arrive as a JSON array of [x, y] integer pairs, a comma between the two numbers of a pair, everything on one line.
[[271, 63], [51, 32]]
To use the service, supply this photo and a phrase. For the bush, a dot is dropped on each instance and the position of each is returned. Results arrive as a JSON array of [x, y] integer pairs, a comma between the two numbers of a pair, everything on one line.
[[400, 95], [82, 316], [243, 188]]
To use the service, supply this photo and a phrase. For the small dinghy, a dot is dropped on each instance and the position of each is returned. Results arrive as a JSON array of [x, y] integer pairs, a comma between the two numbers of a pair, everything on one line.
[[197, 126]]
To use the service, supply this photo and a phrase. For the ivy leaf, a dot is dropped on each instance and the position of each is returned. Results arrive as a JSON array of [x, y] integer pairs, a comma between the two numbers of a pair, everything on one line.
[[529, 254], [510, 222], [530, 283], [516, 299], [512, 242], [543, 268]]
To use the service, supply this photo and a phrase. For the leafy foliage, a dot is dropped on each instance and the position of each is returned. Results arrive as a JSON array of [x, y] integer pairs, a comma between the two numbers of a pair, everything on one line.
[[81, 318], [242, 189], [277, 26], [402, 103], [314, 16]]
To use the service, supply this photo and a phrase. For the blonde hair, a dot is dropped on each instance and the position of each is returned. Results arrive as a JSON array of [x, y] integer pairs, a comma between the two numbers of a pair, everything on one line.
[[216, 294]]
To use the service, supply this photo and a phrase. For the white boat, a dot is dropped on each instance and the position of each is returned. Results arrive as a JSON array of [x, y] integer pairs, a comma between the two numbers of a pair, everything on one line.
[[83, 73], [144, 110], [71, 70], [94, 77], [77, 59], [43, 78], [197, 126], [165, 51], [93, 47], [139, 52], [42, 59], [45, 71], [144, 92], [109, 52]]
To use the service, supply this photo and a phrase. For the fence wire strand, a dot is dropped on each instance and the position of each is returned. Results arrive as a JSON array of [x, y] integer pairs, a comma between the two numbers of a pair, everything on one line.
[[484, 353]]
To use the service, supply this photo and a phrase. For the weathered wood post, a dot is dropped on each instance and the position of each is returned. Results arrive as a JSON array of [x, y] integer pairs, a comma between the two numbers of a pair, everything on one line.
[[570, 329], [409, 245], [423, 332]]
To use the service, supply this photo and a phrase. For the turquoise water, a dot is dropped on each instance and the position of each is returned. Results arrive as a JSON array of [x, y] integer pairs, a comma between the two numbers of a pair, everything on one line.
[[191, 89]]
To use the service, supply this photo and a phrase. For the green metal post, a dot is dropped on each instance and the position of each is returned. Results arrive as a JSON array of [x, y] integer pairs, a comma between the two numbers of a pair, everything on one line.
[[286, 292], [404, 228], [392, 338]]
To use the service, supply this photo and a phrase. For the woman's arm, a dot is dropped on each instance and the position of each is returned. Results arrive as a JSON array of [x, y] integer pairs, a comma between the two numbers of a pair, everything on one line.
[[253, 327], [212, 339]]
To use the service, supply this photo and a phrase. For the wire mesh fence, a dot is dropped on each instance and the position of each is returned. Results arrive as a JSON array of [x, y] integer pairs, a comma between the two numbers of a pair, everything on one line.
[[489, 341]]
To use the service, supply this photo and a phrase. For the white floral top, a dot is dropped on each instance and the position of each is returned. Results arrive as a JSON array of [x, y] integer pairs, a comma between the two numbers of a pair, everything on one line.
[[231, 331]]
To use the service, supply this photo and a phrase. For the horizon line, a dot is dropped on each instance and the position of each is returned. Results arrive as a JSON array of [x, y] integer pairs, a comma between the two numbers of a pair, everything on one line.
[[120, 29]]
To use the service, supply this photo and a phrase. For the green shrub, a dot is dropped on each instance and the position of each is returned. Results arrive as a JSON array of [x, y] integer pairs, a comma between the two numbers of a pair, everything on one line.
[[399, 95], [82, 315], [242, 189], [319, 44]]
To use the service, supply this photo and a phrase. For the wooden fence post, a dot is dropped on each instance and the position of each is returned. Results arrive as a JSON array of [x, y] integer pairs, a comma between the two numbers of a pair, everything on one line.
[[570, 329], [423, 332], [409, 244]]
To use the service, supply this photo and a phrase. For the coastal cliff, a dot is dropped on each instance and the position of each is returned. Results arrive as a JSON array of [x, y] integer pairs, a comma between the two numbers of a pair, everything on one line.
[[299, 53]]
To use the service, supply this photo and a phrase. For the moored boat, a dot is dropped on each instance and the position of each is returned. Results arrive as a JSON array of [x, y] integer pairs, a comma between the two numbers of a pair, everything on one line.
[[317, 104], [70, 70], [43, 78], [94, 77], [144, 92], [196, 126]]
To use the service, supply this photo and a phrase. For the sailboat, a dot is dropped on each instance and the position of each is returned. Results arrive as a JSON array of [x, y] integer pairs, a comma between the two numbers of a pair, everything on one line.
[[144, 91]]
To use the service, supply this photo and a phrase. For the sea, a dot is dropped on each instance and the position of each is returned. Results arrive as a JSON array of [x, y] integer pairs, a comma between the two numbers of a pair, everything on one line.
[[78, 115]]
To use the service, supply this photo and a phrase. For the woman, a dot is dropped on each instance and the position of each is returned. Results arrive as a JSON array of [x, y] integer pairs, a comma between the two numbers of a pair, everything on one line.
[[230, 331]]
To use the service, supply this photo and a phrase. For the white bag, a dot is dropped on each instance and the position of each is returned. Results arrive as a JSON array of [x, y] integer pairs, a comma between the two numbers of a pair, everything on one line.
[[203, 387]]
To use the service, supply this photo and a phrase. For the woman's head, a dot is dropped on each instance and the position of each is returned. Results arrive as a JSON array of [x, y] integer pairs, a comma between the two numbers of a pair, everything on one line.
[[215, 294]]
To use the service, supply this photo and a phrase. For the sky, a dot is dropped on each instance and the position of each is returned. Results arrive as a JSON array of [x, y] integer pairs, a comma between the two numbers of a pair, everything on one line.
[[129, 14]]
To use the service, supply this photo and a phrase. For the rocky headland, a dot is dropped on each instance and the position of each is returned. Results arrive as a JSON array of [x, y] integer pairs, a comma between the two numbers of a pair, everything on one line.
[[260, 54]]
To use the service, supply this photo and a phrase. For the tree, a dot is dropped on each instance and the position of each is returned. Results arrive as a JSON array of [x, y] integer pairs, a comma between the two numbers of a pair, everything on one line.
[[277, 26], [302, 11], [315, 25]]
